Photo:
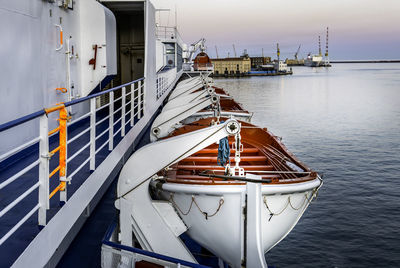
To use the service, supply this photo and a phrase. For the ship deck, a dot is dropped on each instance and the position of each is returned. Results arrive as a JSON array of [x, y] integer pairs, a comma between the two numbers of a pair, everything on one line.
[[85, 250], [16, 244]]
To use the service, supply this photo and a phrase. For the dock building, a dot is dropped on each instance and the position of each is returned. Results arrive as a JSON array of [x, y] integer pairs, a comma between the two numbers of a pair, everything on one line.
[[231, 66], [258, 61], [294, 62]]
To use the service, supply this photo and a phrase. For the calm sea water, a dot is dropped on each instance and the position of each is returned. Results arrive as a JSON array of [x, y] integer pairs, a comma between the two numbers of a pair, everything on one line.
[[344, 122]]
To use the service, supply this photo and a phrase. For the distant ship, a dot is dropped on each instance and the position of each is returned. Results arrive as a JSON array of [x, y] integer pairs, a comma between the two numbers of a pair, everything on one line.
[[317, 60], [313, 61]]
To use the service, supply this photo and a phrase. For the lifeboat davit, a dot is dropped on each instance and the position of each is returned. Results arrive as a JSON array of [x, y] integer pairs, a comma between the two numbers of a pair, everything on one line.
[[231, 186], [211, 198]]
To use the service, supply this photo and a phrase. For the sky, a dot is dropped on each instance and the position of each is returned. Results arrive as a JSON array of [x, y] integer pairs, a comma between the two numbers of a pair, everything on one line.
[[358, 29]]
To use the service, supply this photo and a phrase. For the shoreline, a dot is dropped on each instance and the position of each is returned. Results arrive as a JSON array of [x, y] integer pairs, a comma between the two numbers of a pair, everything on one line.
[[365, 61]]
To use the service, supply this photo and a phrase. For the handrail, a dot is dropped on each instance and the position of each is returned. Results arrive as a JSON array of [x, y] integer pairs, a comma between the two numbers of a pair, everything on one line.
[[137, 102], [164, 80], [100, 93], [106, 241], [26, 118], [21, 120]]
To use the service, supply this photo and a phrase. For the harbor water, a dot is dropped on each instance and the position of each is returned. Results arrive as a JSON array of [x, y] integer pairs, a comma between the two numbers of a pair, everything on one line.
[[343, 122]]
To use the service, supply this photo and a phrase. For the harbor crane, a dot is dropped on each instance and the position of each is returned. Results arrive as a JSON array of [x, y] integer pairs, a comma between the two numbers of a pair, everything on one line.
[[319, 46], [234, 50], [278, 52], [297, 53], [326, 50]]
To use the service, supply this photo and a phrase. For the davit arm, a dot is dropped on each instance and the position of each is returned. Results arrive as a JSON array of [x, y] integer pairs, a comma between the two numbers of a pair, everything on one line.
[[144, 217]]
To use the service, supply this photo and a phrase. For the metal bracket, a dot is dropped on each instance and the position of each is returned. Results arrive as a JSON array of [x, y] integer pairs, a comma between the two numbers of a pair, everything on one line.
[[46, 155], [66, 179], [61, 37]]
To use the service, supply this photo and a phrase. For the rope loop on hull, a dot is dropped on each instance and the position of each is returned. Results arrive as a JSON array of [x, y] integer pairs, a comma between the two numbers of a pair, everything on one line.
[[206, 214], [289, 203]]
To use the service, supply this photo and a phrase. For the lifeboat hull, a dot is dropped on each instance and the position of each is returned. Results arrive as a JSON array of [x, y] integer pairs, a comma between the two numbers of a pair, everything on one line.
[[216, 220]]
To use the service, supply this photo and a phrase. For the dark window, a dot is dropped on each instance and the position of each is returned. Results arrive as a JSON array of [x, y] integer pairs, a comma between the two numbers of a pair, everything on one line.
[[139, 60]]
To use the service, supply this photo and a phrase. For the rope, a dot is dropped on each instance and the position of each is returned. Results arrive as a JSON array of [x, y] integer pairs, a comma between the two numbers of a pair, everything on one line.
[[171, 198], [289, 202], [206, 215], [313, 195], [221, 202], [302, 203], [272, 213]]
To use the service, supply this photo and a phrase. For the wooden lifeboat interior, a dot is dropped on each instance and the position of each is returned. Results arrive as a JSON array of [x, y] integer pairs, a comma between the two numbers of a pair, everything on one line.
[[262, 155]]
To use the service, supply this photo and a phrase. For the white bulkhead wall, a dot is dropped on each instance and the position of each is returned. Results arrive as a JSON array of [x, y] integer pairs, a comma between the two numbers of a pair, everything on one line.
[[97, 27], [150, 58], [32, 67], [160, 57]]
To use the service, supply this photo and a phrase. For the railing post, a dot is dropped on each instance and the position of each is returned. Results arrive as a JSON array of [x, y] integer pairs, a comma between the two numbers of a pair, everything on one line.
[[92, 134], [63, 154], [144, 96], [132, 104], [111, 123], [158, 87], [43, 170], [123, 101], [139, 99]]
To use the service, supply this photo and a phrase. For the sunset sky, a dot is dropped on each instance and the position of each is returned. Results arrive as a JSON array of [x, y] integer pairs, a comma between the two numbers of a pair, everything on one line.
[[358, 29]]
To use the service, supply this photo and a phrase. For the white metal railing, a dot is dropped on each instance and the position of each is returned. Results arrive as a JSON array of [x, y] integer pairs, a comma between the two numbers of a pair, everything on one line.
[[164, 81], [130, 108], [169, 33], [117, 255]]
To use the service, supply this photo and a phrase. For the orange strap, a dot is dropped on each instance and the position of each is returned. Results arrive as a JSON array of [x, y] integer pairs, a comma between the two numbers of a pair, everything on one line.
[[62, 89], [54, 108]]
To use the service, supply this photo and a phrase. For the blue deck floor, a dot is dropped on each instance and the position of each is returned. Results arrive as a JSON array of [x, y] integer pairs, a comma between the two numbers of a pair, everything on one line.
[[85, 250]]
